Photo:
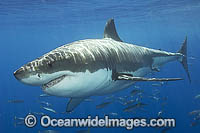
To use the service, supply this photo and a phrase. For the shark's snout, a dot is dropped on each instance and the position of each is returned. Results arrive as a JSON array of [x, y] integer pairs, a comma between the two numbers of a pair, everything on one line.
[[26, 76], [18, 73]]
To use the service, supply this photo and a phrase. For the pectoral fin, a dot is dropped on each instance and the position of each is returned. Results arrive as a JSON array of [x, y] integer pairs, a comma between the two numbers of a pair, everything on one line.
[[128, 77], [73, 103]]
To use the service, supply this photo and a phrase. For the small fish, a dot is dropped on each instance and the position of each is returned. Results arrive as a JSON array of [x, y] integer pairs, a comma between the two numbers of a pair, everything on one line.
[[48, 131], [156, 85], [129, 102], [156, 93], [49, 109], [192, 58], [125, 97], [137, 87], [195, 112], [109, 97], [160, 113], [88, 100], [122, 103], [44, 95], [156, 90], [154, 98], [163, 104], [113, 114], [165, 98], [38, 113], [18, 123], [121, 99], [135, 91], [137, 99], [197, 96], [45, 103], [102, 105], [140, 95], [19, 118], [65, 112], [15, 101], [190, 64], [130, 108], [83, 131], [197, 117], [162, 83], [164, 130], [194, 123]]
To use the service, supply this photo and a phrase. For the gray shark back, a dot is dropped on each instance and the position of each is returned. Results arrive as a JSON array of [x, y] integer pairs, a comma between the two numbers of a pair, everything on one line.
[[95, 54]]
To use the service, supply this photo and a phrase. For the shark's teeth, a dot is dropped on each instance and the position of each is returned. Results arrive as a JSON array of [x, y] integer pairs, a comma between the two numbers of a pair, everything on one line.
[[53, 82]]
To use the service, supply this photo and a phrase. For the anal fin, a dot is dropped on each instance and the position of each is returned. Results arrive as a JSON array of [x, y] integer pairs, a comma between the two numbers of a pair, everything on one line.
[[73, 103]]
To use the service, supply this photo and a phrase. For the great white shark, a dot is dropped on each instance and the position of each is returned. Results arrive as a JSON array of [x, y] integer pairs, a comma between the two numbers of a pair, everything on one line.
[[94, 67]]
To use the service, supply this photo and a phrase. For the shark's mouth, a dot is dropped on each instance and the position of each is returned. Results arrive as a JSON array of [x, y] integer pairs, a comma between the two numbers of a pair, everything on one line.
[[53, 82]]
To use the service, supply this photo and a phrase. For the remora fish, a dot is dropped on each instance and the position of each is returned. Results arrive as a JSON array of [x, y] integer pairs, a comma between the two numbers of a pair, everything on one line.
[[94, 67]]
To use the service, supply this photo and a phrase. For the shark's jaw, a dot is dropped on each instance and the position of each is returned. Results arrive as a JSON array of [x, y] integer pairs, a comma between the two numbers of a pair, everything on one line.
[[53, 82]]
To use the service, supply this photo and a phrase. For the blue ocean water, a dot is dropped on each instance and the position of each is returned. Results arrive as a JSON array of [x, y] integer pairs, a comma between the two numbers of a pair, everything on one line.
[[28, 29]]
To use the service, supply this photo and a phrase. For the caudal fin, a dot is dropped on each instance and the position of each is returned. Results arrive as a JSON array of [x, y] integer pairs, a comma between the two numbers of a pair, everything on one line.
[[183, 51]]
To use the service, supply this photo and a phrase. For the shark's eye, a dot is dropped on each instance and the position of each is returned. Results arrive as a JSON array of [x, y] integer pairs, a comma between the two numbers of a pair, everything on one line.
[[39, 75], [69, 54]]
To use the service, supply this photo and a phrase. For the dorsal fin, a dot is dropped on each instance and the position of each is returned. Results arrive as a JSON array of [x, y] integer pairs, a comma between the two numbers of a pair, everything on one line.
[[110, 31]]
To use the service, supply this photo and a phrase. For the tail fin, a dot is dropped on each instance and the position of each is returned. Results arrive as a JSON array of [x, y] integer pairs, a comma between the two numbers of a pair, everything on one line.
[[183, 51]]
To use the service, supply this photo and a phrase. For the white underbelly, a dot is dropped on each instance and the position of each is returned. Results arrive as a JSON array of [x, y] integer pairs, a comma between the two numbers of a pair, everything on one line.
[[89, 84], [79, 84]]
